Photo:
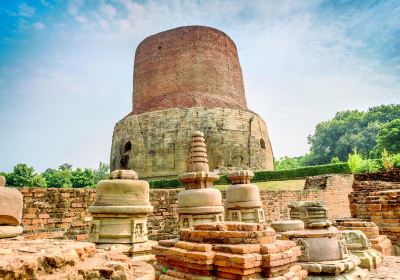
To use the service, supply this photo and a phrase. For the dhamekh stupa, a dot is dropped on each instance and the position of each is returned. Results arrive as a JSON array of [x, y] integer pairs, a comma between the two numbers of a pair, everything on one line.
[[189, 79]]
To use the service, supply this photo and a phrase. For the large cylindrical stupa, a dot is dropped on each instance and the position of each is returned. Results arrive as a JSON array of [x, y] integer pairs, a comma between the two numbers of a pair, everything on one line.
[[188, 79]]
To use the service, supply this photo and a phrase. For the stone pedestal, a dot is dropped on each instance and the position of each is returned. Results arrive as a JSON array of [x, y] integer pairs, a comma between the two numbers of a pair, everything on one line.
[[289, 225], [312, 213], [324, 254], [243, 203], [120, 214], [323, 248], [11, 203], [358, 245], [378, 242], [199, 203], [227, 250]]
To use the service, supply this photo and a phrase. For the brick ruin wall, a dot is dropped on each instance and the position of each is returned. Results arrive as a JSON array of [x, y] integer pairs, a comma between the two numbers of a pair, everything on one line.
[[191, 66], [64, 210], [156, 144], [364, 184]]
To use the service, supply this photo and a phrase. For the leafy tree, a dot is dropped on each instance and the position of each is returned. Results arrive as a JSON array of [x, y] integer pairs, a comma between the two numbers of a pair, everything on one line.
[[288, 163], [57, 178], [82, 178], [389, 137], [39, 181], [65, 166], [348, 130], [102, 172], [22, 176]]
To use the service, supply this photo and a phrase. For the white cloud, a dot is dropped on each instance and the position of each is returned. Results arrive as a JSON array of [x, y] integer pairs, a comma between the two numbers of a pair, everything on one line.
[[74, 6], [108, 10], [81, 19], [39, 25], [25, 10]]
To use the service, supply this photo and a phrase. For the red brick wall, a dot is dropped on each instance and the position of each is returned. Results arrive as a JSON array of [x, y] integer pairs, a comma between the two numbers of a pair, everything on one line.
[[366, 183], [64, 210], [191, 66]]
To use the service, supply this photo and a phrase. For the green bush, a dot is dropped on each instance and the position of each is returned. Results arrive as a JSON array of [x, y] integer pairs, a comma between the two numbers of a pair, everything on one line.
[[262, 176], [22, 176], [58, 178], [335, 168], [396, 160], [386, 160], [355, 161], [82, 178]]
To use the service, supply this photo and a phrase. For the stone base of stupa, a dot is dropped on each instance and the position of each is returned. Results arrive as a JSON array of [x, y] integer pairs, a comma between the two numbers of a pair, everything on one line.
[[346, 268], [246, 215], [138, 251], [370, 258], [354, 274], [378, 242], [10, 231], [382, 244]]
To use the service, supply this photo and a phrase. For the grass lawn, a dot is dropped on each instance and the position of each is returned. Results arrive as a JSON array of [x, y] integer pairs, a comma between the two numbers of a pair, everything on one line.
[[287, 185]]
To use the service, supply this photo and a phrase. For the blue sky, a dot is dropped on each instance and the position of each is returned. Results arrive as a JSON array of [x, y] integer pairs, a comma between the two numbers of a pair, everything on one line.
[[66, 67]]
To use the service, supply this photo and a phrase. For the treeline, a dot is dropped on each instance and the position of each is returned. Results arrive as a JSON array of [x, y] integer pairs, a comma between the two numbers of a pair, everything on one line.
[[62, 177], [364, 134]]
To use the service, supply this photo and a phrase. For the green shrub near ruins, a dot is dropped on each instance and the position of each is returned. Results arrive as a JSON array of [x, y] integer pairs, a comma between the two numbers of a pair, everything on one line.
[[82, 178], [262, 176]]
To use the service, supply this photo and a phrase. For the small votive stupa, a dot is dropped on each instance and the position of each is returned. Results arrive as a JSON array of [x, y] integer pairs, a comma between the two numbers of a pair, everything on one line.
[[120, 214], [243, 203], [359, 245], [323, 248], [11, 203], [199, 203]]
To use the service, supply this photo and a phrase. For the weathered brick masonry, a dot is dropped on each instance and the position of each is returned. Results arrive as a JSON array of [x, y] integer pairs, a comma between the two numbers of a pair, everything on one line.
[[366, 183], [65, 209]]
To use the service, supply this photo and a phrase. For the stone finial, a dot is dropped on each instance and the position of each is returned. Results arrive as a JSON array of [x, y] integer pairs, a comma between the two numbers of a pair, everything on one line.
[[2, 181], [241, 176], [124, 174], [198, 161]]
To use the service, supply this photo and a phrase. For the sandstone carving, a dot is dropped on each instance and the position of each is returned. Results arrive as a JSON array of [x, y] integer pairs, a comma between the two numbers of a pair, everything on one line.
[[324, 253], [378, 242], [188, 79], [312, 213], [289, 225], [11, 203], [243, 203], [199, 202], [120, 213], [227, 250], [358, 244]]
